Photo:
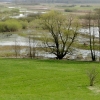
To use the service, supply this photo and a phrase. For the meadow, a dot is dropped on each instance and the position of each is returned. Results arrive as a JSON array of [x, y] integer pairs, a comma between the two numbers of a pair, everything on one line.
[[26, 79]]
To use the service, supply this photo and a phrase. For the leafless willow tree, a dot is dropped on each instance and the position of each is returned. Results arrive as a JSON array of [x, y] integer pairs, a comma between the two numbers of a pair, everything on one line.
[[61, 32], [31, 47], [17, 49], [90, 23], [98, 25]]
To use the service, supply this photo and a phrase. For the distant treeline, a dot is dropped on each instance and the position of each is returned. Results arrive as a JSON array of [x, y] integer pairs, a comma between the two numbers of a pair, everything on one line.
[[54, 1]]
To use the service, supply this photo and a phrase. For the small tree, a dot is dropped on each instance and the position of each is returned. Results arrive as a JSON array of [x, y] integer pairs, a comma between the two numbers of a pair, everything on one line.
[[92, 76], [31, 47], [98, 25], [17, 49], [90, 23]]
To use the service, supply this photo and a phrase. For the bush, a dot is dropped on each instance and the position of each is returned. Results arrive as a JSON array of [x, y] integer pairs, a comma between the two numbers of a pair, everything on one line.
[[30, 17], [34, 15], [24, 24], [68, 10], [2, 27], [14, 10], [10, 25], [71, 5], [85, 6], [92, 76], [13, 25]]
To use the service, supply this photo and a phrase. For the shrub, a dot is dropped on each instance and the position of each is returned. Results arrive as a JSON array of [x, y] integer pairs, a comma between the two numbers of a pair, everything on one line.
[[68, 10], [13, 25], [24, 24], [92, 76], [10, 25], [85, 6], [2, 27]]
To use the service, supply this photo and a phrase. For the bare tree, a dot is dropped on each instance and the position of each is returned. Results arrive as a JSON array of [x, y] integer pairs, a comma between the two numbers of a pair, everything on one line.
[[31, 47], [17, 49], [61, 31], [90, 23], [92, 74], [98, 25]]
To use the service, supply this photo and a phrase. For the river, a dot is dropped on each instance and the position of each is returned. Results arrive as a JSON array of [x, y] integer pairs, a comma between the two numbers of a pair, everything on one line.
[[9, 40]]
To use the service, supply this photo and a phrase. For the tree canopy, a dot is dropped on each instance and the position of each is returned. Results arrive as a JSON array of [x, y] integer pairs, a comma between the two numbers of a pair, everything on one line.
[[62, 31]]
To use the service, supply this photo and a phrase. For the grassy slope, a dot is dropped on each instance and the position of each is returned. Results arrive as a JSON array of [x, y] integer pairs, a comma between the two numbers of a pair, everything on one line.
[[22, 79]]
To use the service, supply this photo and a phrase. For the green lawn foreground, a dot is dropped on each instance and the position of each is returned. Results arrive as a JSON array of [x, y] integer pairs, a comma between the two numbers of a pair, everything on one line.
[[26, 79]]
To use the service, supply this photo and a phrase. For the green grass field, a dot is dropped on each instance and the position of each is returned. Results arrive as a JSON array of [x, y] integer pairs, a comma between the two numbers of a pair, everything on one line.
[[26, 79]]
